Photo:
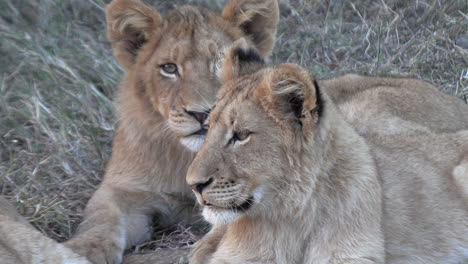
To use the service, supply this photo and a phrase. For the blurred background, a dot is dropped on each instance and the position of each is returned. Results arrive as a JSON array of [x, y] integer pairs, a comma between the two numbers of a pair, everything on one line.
[[58, 80]]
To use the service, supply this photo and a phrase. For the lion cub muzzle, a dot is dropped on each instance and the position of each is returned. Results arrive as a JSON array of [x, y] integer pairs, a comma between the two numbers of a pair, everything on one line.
[[198, 187], [223, 199], [221, 193], [201, 118], [194, 126]]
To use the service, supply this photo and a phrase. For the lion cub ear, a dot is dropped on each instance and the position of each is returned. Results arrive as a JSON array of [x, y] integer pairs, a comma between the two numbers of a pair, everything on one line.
[[293, 94], [240, 59], [257, 18], [130, 23]]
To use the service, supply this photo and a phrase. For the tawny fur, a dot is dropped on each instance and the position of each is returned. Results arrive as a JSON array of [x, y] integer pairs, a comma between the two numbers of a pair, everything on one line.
[[20, 243], [460, 176], [146, 173], [425, 216], [322, 194], [391, 106]]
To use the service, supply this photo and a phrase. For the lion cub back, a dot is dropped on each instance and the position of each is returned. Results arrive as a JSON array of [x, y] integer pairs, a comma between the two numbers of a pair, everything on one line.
[[390, 106], [424, 206]]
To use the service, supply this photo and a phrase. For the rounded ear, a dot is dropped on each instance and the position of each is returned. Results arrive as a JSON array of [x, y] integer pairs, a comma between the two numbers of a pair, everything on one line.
[[258, 19], [293, 94], [130, 24], [240, 59]]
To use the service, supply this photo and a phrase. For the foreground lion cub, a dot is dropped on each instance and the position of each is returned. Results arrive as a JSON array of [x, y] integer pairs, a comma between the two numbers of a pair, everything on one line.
[[293, 182], [284, 179]]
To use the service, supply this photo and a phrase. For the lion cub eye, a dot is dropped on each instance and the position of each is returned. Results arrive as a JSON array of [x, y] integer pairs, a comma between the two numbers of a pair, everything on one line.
[[240, 136], [169, 69]]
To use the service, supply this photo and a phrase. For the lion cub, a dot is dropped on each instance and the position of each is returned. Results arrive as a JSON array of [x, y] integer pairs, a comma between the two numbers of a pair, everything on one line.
[[285, 179]]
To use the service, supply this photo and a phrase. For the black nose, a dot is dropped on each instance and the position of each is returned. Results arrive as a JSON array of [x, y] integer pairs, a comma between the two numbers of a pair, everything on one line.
[[199, 116], [198, 187]]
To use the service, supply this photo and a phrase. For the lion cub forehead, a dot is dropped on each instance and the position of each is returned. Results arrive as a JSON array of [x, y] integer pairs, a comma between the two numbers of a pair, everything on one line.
[[195, 23], [238, 91], [234, 111], [202, 44]]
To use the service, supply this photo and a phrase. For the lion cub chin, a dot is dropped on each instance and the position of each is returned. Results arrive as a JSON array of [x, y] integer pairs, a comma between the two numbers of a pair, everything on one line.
[[284, 179]]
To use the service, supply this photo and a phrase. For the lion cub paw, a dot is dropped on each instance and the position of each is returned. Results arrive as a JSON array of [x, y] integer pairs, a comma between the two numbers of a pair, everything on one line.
[[97, 252]]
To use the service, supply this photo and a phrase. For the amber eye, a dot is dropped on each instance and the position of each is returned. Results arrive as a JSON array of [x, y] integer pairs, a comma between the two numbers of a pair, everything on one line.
[[169, 68], [240, 136]]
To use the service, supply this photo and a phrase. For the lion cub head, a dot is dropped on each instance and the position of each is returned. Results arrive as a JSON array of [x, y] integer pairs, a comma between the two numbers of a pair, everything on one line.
[[260, 124], [171, 60]]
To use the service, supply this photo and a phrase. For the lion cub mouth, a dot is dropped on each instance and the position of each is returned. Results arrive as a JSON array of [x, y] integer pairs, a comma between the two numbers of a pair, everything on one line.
[[201, 132], [217, 215], [245, 205], [234, 207]]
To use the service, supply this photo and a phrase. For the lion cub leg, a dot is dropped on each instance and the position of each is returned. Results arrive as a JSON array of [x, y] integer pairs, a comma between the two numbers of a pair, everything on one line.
[[460, 175], [115, 219], [20, 243], [205, 247]]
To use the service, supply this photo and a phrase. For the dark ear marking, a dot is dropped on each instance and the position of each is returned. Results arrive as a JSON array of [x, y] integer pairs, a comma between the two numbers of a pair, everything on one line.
[[296, 101], [248, 56], [258, 19], [133, 46], [319, 101], [249, 60], [130, 24]]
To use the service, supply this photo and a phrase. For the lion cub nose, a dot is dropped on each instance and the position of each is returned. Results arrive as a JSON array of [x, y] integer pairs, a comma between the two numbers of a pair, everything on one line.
[[199, 116], [198, 187]]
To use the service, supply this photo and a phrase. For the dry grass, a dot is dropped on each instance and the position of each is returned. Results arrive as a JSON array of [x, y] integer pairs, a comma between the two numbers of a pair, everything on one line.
[[58, 79]]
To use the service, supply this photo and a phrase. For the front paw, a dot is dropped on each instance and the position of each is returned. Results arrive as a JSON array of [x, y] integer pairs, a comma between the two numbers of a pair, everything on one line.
[[97, 251], [199, 255], [203, 249]]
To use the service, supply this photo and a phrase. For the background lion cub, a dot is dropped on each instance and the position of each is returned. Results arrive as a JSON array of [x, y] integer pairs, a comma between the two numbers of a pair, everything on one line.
[[284, 179]]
